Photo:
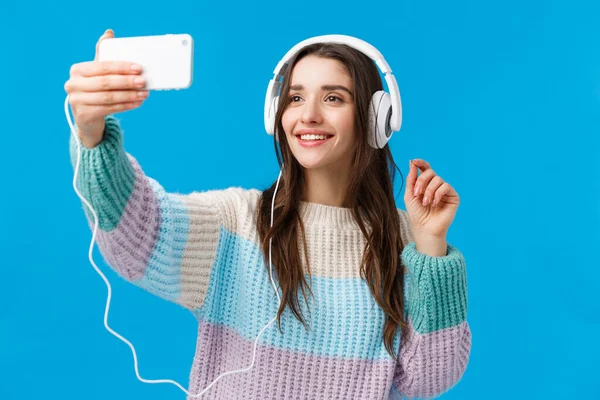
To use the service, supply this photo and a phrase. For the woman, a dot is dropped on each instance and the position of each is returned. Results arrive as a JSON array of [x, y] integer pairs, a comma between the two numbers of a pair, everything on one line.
[[384, 296]]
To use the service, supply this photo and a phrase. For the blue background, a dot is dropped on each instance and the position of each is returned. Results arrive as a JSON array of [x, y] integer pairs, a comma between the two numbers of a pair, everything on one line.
[[501, 98]]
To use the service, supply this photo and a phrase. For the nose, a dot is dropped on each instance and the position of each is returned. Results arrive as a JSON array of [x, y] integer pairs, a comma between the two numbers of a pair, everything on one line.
[[311, 112]]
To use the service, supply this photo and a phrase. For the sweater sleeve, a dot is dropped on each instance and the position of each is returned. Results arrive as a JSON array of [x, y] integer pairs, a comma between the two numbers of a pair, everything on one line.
[[165, 243], [434, 354]]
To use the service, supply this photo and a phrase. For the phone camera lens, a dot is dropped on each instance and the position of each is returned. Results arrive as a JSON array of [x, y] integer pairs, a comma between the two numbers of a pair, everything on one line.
[[184, 42]]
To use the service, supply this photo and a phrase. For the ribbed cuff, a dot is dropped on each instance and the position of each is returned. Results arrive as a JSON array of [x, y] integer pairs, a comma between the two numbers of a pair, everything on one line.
[[437, 289], [106, 176]]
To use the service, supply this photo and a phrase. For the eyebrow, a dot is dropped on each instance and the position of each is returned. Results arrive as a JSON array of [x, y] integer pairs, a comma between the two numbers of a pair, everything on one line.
[[324, 87]]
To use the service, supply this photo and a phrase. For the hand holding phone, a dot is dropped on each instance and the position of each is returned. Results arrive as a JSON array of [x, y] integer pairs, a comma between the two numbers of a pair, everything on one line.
[[99, 88], [110, 84]]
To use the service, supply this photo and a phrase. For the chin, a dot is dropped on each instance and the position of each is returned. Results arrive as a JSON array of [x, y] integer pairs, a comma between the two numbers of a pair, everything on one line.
[[309, 164], [311, 161]]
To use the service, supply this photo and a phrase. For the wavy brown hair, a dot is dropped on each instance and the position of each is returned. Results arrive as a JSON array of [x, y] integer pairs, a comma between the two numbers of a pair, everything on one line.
[[369, 195]]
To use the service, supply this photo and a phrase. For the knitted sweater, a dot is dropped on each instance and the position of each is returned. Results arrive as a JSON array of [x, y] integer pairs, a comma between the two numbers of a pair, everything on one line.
[[202, 251]]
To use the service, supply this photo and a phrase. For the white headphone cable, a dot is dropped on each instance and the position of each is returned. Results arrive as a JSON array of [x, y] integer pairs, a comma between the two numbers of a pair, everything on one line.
[[109, 295]]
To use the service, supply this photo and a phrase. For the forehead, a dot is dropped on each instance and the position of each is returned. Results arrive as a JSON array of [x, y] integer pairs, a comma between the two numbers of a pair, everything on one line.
[[314, 71]]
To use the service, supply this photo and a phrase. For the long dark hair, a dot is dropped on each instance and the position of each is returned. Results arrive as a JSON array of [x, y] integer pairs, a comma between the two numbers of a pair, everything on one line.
[[369, 195]]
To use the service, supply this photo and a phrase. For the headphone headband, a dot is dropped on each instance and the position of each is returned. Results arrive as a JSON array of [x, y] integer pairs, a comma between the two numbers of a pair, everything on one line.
[[358, 44], [353, 42]]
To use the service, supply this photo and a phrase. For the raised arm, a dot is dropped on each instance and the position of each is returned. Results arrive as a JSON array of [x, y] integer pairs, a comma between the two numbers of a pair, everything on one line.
[[163, 242]]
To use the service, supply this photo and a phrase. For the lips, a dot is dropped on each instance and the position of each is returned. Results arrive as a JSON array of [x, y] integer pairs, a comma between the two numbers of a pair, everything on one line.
[[312, 143], [312, 132]]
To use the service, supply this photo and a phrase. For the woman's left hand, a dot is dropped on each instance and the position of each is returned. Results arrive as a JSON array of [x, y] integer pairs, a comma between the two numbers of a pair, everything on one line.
[[431, 203]]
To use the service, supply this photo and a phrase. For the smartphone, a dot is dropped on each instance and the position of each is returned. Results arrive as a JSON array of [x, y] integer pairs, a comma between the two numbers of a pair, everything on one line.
[[166, 60]]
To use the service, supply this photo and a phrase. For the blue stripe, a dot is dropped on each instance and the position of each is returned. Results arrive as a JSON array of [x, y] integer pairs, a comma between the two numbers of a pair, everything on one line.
[[163, 274], [345, 320]]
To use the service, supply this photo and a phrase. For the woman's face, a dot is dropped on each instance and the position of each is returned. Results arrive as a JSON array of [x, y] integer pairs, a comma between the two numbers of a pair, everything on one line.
[[320, 101]]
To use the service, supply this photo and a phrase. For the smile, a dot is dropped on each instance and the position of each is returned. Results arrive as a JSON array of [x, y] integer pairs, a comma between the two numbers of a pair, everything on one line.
[[312, 140]]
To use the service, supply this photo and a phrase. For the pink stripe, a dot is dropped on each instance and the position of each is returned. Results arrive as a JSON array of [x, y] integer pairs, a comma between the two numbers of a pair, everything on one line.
[[432, 364], [279, 373], [128, 248]]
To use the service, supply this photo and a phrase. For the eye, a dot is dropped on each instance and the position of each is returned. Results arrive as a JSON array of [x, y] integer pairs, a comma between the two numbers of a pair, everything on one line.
[[336, 98]]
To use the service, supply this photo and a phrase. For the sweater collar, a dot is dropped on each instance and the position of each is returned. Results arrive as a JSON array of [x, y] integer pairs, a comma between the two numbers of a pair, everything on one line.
[[324, 215]]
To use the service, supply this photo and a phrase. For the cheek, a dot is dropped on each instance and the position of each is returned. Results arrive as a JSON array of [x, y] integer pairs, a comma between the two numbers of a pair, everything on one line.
[[345, 124], [287, 120]]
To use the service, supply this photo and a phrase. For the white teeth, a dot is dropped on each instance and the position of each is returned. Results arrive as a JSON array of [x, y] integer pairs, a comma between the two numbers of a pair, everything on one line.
[[313, 137]]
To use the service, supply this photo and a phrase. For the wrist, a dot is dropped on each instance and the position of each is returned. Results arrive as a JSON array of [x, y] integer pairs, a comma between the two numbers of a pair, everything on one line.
[[433, 246], [91, 135], [89, 143]]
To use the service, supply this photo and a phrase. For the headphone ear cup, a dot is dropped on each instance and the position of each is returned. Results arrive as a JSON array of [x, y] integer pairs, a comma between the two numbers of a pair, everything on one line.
[[380, 111]]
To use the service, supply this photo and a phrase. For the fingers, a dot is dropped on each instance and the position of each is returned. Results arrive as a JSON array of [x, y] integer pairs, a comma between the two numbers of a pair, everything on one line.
[[95, 68], [107, 98], [106, 89], [107, 34], [432, 187], [411, 179], [415, 186], [423, 180], [104, 83], [443, 190], [422, 164], [431, 190]]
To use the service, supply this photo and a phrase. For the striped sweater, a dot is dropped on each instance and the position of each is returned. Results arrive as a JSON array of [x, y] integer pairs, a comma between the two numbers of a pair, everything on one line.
[[202, 251]]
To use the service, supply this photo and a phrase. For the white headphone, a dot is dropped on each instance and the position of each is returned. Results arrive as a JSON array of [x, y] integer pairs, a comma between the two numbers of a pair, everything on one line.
[[385, 111]]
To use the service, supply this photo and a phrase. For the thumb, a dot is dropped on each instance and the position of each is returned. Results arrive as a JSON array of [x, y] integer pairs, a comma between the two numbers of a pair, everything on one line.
[[107, 34], [411, 179]]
